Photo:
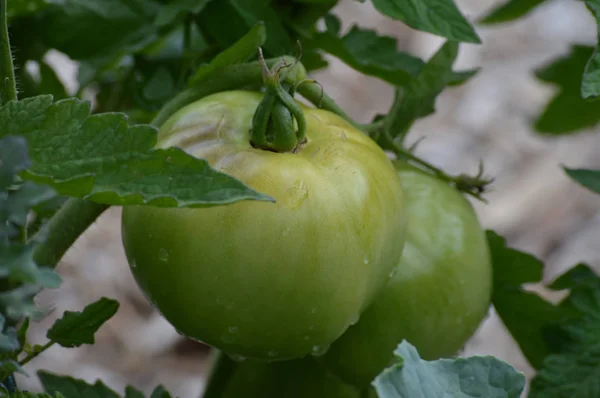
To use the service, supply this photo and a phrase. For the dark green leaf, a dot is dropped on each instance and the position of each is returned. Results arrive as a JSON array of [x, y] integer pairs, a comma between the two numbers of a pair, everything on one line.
[[568, 112], [18, 303], [371, 54], [22, 332], [440, 17], [131, 392], [588, 178], [13, 160], [50, 83], [526, 315], [227, 21], [27, 394], [98, 29], [160, 392], [461, 77], [573, 371], [101, 158], [169, 12], [590, 85], [510, 10], [419, 95], [10, 366], [20, 8], [70, 387], [9, 341], [241, 51], [77, 328], [478, 376], [17, 263], [160, 87]]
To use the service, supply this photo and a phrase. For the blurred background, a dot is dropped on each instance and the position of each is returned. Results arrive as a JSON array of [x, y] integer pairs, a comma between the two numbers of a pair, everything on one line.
[[532, 203]]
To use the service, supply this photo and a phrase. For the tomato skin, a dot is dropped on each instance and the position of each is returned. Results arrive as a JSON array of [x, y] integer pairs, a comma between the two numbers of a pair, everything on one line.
[[440, 291], [270, 281]]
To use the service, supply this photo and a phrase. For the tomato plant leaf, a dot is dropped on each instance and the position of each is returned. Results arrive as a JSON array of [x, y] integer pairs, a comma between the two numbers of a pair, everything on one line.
[[526, 315], [417, 98], [590, 179], [477, 376], [160, 392], [371, 54], [131, 392], [590, 84], [241, 51], [229, 20], [25, 7], [510, 10], [461, 77], [10, 366], [9, 340], [567, 112], [440, 17], [572, 371], [170, 11], [74, 26], [28, 394], [77, 328], [71, 387], [101, 158]]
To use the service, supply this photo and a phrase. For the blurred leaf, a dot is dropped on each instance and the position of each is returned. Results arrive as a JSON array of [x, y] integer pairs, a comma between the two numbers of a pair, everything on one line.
[[18, 303], [160, 87], [20, 8], [77, 328], [588, 178], [70, 387], [160, 392], [526, 315], [131, 392], [567, 112], [10, 366], [590, 85], [98, 29], [240, 52], [460, 77], [572, 372], [440, 17], [50, 83], [170, 11], [371, 54], [478, 376], [9, 340], [103, 159], [22, 332], [17, 264], [419, 95], [510, 10], [227, 21]]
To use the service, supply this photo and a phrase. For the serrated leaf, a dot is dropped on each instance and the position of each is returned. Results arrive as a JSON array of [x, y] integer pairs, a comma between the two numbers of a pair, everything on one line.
[[590, 84], [510, 10], [70, 387], [440, 17], [101, 158], [590, 179], [73, 26], [10, 366], [526, 315], [567, 112], [572, 372], [371, 54], [131, 392], [478, 376], [229, 20], [160, 392], [169, 12], [18, 303], [241, 51], [9, 341], [21, 201], [77, 328], [17, 263], [419, 95], [13, 159]]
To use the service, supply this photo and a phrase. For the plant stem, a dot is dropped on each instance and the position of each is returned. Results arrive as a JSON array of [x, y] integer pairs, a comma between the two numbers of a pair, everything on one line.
[[63, 229], [29, 357], [228, 78], [222, 369], [315, 94], [8, 89], [396, 123]]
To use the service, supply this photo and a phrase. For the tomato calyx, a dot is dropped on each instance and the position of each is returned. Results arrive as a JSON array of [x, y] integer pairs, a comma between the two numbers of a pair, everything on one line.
[[276, 117]]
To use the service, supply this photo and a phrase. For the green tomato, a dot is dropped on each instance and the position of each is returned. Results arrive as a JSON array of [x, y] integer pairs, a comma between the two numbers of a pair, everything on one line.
[[300, 378], [263, 280], [440, 291]]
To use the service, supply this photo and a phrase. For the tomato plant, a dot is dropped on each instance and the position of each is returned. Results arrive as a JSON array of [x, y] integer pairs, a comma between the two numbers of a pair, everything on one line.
[[439, 292], [259, 217], [270, 281]]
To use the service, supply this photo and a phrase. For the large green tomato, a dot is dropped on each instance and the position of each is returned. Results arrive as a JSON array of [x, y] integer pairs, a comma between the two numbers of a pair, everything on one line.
[[440, 291], [268, 280]]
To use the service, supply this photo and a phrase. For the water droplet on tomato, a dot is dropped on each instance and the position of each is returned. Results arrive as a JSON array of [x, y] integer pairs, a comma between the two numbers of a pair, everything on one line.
[[295, 196], [273, 354], [237, 357], [306, 337], [232, 329], [133, 264], [311, 327], [354, 320], [318, 350], [313, 311], [393, 272], [163, 255], [366, 259], [228, 338], [285, 232]]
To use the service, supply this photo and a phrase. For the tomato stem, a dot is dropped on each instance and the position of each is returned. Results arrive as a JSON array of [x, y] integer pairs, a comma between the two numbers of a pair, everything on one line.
[[63, 229], [8, 89]]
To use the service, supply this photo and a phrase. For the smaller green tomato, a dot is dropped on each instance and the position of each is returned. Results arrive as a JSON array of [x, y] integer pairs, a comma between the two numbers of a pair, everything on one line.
[[440, 291]]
